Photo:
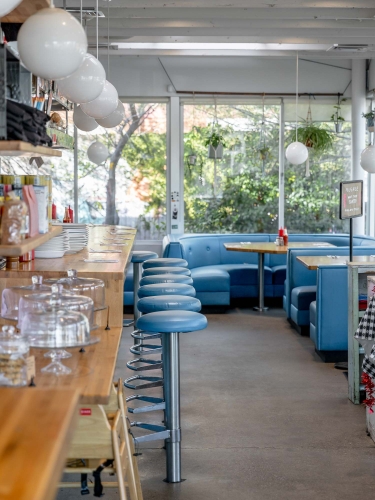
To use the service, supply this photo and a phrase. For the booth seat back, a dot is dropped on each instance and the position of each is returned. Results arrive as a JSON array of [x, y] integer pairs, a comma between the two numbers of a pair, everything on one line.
[[331, 328], [298, 275]]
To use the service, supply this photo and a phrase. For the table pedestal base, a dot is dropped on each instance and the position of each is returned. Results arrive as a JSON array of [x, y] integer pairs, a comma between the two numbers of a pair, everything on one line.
[[260, 309]]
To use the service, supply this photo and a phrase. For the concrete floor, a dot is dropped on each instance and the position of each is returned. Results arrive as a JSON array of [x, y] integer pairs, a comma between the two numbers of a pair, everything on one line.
[[262, 419]]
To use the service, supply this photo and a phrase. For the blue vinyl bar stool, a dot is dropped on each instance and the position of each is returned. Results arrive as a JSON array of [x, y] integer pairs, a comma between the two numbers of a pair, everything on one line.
[[146, 306], [141, 349], [166, 270], [165, 278], [138, 258], [165, 262], [170, 324]]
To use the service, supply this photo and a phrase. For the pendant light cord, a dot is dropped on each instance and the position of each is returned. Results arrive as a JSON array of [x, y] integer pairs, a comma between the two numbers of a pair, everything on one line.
[[81, 13], [297, 98], [97, 29], [108, 42]]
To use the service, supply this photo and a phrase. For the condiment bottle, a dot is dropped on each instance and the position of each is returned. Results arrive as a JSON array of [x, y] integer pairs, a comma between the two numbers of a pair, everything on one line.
[[54, 211], [67, 216], [71, 214], [281, 232], [285, 236]]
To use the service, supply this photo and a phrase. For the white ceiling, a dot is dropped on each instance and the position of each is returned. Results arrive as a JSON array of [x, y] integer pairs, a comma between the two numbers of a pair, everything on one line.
[[310, 26]]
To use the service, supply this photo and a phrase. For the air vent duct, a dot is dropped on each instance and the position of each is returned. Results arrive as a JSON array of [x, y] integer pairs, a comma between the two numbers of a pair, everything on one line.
[[349, 47], [87, 12]]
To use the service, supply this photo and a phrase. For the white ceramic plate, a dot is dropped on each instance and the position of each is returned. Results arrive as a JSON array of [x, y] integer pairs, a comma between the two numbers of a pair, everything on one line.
[[48, 255]]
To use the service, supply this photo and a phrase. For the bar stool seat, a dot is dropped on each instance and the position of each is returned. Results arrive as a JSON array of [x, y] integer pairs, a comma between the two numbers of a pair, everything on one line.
[[166, 270], [172, 321], [165, 262], [165, 278], [140, 256], [169, 303], [166, 289]]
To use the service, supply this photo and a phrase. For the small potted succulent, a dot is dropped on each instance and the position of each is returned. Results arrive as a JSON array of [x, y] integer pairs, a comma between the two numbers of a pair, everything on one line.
[[370, 117], [337, 119], [216, 145]]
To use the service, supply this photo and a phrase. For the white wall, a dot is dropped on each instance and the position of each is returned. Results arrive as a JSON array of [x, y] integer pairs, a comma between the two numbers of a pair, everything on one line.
[[144, 75]]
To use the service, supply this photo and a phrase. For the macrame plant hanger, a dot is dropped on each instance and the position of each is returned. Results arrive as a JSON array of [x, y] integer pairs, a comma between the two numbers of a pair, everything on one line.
[[308, 122], [213, 130], [262, 139]]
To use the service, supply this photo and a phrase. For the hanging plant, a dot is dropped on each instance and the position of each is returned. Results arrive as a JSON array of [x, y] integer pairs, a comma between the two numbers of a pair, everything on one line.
[[337, 118], [216, 145], [370, 117], [264, 152], [315, 137]]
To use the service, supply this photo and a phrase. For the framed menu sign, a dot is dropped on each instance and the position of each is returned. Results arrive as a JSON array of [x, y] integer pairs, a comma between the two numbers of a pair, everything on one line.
[[351, 199]]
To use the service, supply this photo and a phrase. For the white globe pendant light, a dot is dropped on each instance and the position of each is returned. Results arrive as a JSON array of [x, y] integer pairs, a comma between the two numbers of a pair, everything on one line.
[[85, 84], [7, 6], [52, 44], [114, 118], [296, 153], [368, 159], [104, 105], [97, 152], [82, 121]]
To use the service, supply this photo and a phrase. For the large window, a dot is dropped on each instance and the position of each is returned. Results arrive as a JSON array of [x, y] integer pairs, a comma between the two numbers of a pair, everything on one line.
[[240, 192], [130, 188]]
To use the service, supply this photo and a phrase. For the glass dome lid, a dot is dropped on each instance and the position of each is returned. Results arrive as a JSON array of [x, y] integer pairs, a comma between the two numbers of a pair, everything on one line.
[[89, 287], [54, 326], [67, 301], [11, 296]]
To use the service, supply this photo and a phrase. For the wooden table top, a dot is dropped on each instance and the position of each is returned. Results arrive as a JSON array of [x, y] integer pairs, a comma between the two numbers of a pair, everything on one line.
[[35, 430], [53, 268], [264, 247], [312, 262], [92, 370]]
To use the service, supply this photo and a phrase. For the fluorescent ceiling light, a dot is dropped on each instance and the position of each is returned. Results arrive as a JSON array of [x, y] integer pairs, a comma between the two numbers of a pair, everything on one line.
[[213, 46]]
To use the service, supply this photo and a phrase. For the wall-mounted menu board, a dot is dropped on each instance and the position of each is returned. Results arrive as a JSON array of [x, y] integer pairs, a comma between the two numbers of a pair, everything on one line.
[[351, 199]]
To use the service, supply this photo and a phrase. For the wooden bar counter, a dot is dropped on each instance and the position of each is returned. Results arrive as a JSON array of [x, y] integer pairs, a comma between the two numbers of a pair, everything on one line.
[[113, 274], [36, 427]]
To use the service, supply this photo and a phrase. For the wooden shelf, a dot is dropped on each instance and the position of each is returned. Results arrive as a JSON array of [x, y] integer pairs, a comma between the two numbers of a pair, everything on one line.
[[29, 244], [26, 9], [20, 148]]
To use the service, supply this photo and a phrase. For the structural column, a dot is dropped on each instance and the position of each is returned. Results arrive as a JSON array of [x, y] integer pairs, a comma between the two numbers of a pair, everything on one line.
[[358, 128], [175, 202]]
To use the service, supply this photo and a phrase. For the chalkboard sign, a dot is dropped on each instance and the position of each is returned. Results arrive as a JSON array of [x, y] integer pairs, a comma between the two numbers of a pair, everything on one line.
[[351, 199]]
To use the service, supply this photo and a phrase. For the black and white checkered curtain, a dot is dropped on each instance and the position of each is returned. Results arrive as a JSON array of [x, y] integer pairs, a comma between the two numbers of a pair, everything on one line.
[[365, 335]]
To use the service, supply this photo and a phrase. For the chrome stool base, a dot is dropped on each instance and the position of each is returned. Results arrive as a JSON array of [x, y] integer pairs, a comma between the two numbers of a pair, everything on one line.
[[158, 404], [145, 349]]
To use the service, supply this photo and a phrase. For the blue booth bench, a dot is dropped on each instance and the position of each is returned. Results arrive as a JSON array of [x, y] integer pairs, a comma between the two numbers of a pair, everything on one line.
[[220, 275]]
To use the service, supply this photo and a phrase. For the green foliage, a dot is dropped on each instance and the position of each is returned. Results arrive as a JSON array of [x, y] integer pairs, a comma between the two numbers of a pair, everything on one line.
[[370, 114], [315, 137], [336, 117], [215, 139]]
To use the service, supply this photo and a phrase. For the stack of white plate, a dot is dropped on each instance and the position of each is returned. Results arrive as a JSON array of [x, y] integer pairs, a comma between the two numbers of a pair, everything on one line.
[[78, 235], [54, 248]]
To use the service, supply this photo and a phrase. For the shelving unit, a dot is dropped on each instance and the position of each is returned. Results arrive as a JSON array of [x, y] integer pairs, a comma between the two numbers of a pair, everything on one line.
[[357, 276], [20, 148], [29, 244], [26, 9]]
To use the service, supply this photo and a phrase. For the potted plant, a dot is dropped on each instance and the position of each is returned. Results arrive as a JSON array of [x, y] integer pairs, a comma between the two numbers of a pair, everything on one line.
[[370, 116], [337, 119], [264, 152], [216, 145], [315, 137]]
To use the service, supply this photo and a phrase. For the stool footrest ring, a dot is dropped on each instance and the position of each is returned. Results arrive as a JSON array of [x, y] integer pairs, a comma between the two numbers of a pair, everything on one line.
[[141, 335], [145, 349], [126, 323], [150, 382], [159, 432], [150, 364]]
